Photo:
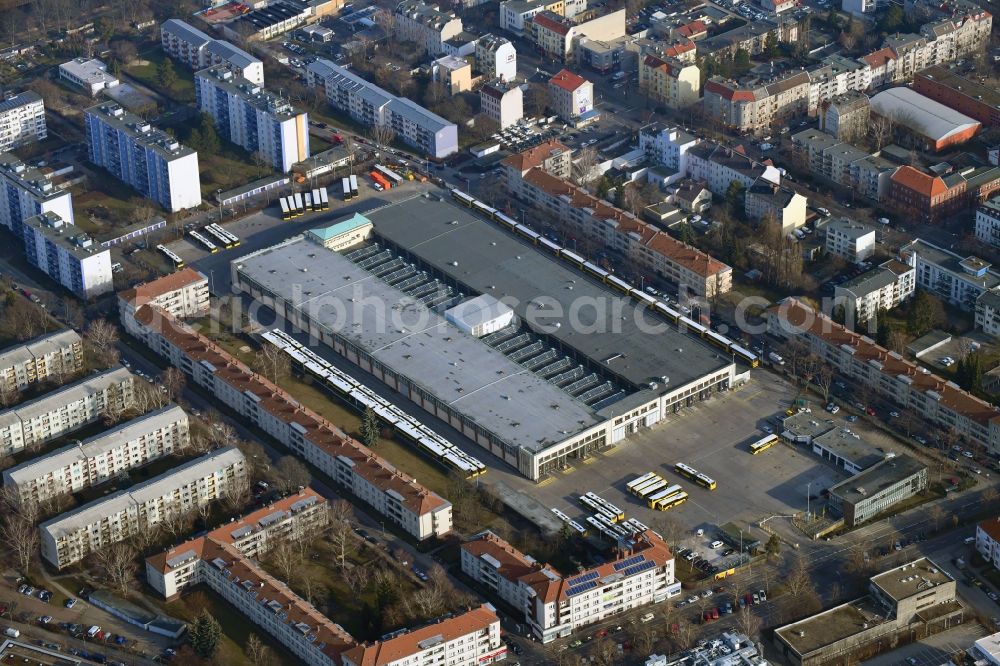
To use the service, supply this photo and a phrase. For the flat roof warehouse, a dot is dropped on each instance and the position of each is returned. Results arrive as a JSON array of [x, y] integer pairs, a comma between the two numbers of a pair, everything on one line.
[[518, 415]]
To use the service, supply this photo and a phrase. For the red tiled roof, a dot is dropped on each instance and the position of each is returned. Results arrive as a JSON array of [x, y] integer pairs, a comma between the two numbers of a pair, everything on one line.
[[679, 48], [922, 183], [513, 563], [991, 527], [692, 28], [567, 80], [730, 92], [552, 24], [878, 58], [534, 157], [144, 293], [690, 258]]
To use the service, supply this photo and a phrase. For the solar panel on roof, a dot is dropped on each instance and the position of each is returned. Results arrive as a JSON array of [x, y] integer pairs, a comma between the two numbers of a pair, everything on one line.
[[639, 568], [579, 589], [629, 562], [582, 579]]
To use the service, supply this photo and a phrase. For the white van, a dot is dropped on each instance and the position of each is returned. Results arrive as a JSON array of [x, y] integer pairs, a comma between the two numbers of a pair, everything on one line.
[[12, 632]]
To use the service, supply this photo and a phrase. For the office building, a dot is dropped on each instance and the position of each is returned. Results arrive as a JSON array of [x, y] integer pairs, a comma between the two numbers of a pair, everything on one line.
[[426, 25], [22, 120], [49, 357], [182, 294], [72, 536], [88, 74], [731, 648], [31, 424], [102, 457], [882, 288], [502, 103], [872, 492], [888, 374], [197, 50], [672, 82], [68, 255], [955, 279], [988, 541], [372, 106], [26, 192], [554, 606], [253, 118], [396, 496], [496, 58], [965, 95], [522, 417], [931, 126], [852, 241], [148, 159], [571, 96], [765, 200], [917, 598], [988, 222]]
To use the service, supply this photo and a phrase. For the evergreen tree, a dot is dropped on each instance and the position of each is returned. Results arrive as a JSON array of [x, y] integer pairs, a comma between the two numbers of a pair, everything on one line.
[[883, 329], [741, 62], [204, 634], [166, 74], [209, 137], [773, 545], [370, 428], [925, 313]]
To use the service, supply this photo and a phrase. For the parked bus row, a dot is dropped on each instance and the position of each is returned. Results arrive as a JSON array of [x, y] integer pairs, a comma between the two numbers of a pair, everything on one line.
[[600, 505], [221, 237], [300, 203], [660, 307], [575, 526], [205, 244], [172, 256], [349, 185], [691, 473], [440, 449]]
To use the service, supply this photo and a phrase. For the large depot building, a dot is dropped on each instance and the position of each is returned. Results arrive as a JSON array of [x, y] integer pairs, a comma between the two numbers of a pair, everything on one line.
[[576, 369]]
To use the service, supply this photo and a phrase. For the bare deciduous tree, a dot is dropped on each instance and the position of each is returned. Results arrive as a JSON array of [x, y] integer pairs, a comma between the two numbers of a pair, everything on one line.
[[382, 135], [257, 652], [273, 363], [174, 381], [749, 623], [583, 166], [117, 563], [291, 473], [285, 558], [101, 337]]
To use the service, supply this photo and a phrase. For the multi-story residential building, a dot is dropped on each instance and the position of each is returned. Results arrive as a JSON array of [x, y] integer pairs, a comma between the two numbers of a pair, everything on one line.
[[88, 74], [850, 240], [671, 82], [836, 75], [453, 72], [877, 489], [516, 15], [845, 164], [502, 103], [398, 497], [426, 25], [198, 51], [554, 606], [372, 106], [988, 222], [596, 221], [667, 146], [55, 414], [988, 312], [882, 288], [988, 541], [72, 536], [782, 204], [571, 96], [557, 35], [68, 255], [181, 294], [102, 457], [148, 159], [845, 117], [751, 37], [953, 278], [887, 373], [965, 95], [719, 166], [496, 58], [551, 157], [22, 120], [301, 514], [249, 116], [755, 105], [26, 192], [50, 357]]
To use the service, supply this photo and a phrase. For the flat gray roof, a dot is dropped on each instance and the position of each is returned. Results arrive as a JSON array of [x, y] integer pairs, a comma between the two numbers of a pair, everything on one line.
[[407, 338], [66, 395], [875, 479], [847, 444], [950, 261], [909, 579], [40, 346], [493, 261]]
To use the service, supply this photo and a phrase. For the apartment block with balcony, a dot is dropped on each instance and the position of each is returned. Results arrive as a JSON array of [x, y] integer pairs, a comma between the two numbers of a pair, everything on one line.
[[72, 536], [668, 147], [67, 409], [674, 83], [882, 288], [395, 495], [257, 120], [198, 51], [26, 192], [754, 105], [22, 120], [182, 294], [988, 541], [955, 279], [849, 240], [988, 222], [145, 158], [50, 357], [888, 374], [68, 255], [551, 157], [102, 457], [427, 25]]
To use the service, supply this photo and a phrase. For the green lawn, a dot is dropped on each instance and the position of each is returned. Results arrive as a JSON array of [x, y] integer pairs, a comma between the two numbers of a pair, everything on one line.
[[182, 90]]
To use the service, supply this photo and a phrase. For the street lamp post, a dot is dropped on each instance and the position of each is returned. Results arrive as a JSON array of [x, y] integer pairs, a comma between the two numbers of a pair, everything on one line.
[[218, 195], [808, 489]]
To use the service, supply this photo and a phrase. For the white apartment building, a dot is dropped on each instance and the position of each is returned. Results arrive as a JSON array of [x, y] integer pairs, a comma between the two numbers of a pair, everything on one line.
[[371, 106], [49, 357], [555, 606], [571, 96], [427, 25], [251, 117], [398, 497], [72, 536], [845, 164], [496, 58], [181, 294], [516, 15], [988, 222], [301, 514], [765, 200], [88, 74], [25, 192], [988, 541], [33, 423], [22, 120], [68, 255], [887, 373], [882, 288], [198, 51], [502, 103], [850, 240], [102, 457], [148, 159], [988, 312], [957, 280], [718, 166], [667, 146]]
